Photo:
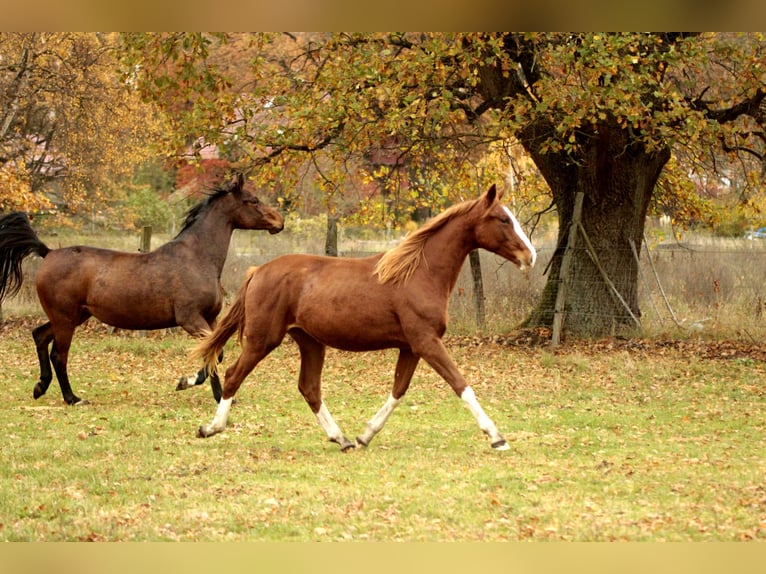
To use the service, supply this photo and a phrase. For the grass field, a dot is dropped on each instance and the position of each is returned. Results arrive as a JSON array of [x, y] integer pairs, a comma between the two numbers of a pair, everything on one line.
[[610, 440]]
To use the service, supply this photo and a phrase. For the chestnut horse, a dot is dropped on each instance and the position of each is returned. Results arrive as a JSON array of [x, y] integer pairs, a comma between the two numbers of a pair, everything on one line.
[[393, 300], [177, 284]]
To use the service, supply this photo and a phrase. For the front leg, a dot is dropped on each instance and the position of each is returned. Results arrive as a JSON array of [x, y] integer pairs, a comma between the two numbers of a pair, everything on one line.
[[497, 440], [434, 353], [405, 368]]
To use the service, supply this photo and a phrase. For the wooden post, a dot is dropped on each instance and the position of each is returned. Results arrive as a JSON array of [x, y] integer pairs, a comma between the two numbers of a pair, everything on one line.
[[478, 288], [561, 293], [146, 239], [331, 240]]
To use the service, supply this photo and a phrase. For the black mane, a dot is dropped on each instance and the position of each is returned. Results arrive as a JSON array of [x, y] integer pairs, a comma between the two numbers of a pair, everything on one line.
[[197, 211]]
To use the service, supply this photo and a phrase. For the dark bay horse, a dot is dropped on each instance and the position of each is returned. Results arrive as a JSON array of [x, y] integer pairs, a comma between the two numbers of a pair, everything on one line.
[[393, 300], [177, 284]]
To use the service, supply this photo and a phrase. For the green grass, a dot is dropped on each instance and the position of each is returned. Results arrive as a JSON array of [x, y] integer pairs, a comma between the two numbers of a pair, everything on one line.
[[619, 445]]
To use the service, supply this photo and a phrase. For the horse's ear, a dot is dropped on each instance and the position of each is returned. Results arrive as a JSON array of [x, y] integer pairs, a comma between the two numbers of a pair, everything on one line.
[[239, 181], [492, 195], [235, 184]]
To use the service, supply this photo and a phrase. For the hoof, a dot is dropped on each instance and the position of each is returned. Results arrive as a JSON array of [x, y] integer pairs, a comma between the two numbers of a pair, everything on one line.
[[206, 431], [78, 402], [345, 444], [500, 445], [38, 391], [184, 384], [360, 442]]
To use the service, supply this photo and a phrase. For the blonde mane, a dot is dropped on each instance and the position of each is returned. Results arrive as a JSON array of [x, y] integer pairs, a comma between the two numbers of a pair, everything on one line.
[[398, 264]]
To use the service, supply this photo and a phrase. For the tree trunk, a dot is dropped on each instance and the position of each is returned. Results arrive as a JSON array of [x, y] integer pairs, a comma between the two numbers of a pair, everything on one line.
[[617, 178]]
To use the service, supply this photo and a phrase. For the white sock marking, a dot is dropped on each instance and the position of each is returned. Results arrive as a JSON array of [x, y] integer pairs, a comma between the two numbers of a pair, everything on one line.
[[377, 422], [221, 415], [485, 423], [328, 424]]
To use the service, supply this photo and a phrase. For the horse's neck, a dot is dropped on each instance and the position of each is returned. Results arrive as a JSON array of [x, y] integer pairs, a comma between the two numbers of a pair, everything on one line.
[[445, 253], [210, 237]]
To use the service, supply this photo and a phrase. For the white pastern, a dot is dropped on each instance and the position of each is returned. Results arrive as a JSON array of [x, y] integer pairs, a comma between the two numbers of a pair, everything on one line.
[[520, 232], [221, 415], [329, 425], [379, 420], [485, 423]]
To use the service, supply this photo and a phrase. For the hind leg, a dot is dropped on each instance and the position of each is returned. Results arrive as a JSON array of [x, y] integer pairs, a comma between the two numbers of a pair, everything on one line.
[[43, 335], [60, 357], [405, 368], [252, 354], [310, 385], [201, 376]]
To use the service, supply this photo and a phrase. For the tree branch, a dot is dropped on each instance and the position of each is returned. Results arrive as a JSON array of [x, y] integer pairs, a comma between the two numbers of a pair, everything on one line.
[[749, 107]]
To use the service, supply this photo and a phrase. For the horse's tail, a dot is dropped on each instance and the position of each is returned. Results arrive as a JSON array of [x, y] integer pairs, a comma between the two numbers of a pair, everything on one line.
[[17, 241], [209, 348]]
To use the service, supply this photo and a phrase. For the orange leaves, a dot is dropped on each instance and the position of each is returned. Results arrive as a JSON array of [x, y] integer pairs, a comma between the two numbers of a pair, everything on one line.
[[63, 116], [15, 193]]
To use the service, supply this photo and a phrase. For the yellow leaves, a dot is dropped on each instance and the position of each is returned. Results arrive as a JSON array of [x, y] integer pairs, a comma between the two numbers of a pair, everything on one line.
[[87, 131], [381, 171], [15, 193]]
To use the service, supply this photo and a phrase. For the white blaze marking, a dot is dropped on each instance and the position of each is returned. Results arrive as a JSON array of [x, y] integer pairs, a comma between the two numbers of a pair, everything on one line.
[[523, 236]]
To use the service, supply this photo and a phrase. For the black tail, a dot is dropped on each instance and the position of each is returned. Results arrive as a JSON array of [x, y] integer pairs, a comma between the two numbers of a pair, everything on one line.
[[17, 241]]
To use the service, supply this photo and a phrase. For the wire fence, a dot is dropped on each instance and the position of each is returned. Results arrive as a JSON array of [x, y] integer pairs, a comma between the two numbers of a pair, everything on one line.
[[715, 289], [705, 288]]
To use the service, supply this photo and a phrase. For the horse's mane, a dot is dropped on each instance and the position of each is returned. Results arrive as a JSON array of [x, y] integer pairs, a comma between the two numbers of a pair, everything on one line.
[[398, 264], [196, 211]]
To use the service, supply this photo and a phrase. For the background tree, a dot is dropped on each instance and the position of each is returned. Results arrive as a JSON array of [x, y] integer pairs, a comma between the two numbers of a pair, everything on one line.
[[599, 114], [67, 124]]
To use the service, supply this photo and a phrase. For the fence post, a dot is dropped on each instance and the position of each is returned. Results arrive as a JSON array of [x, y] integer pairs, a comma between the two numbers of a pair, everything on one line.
[[561, 292], [146, 239], [478, 288], [331, 241]]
